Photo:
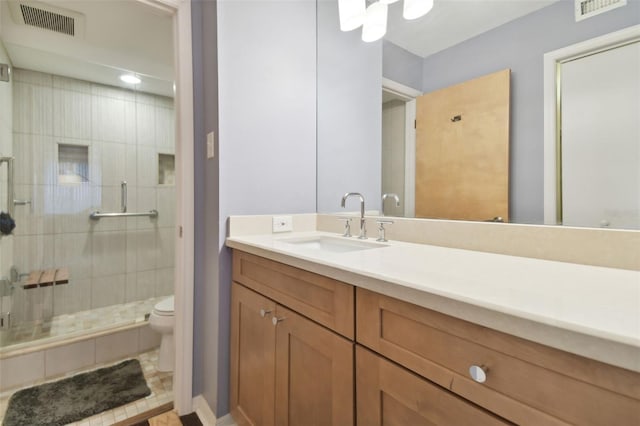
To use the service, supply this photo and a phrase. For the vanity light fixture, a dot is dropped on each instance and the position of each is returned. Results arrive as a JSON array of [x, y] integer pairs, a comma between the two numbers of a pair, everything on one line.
[[351, 13], [373, 19], [130, 78], [375, 22], [414, 9]]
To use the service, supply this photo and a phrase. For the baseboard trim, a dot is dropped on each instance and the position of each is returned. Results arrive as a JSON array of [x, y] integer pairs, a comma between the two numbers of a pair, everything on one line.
[[146, 415], [205, 413]]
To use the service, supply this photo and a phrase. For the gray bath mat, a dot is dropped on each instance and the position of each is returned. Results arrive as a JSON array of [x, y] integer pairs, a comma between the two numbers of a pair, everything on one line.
[[78, 397]]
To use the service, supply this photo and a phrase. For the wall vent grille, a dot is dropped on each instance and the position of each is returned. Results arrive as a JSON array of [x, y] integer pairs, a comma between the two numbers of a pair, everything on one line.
[[48, 20], [589, 8]]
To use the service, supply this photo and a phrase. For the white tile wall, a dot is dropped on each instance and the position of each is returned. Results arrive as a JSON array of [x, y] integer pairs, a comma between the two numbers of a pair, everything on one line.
[[21, 370], [73, 297], [147, 170], [145, 284], [107, 291], [164, 281], [110, 260], [32, 109], [108, 256], [114, 168], [71, 114], [117, 345], [149, 339], [69, 358], [164, 129], [145, 124], [36, 366], [74, 250]]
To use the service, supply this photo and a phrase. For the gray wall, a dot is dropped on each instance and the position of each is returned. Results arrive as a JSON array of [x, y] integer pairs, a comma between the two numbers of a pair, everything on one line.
[[401, 65], [520, 45], [349, 116], [209, 304], [262, 89]]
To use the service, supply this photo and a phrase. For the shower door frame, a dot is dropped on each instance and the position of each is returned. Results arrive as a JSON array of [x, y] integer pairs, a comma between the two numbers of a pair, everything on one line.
[[184, 268]]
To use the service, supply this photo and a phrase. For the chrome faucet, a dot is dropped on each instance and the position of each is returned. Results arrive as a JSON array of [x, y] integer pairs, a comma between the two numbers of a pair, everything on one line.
[[363, 229], [391, 195]]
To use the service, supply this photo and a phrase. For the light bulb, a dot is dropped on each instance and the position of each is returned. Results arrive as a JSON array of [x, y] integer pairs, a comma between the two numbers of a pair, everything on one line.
[[130, 78], [351, 14], [413, 9], [375, 22]]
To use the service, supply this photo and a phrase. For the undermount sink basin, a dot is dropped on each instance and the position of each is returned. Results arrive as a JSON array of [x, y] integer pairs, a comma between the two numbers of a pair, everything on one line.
[[331, 244]]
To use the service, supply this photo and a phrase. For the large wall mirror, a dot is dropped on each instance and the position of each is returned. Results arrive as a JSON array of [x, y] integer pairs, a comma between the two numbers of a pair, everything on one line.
[[458, 41]]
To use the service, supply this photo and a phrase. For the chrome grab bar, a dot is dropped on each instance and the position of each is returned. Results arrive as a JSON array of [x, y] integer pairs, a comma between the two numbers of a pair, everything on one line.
[[97, 215], [123, 206], [10, 189], [123, 196]]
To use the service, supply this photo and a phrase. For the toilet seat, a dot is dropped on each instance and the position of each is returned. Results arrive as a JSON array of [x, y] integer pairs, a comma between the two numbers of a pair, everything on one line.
[[164, 307]]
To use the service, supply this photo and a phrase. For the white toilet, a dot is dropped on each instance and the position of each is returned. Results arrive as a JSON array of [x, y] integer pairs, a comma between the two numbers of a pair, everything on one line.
[[162, 321]]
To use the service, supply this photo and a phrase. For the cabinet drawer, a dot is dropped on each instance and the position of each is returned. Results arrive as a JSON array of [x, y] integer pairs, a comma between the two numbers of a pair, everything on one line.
[[387, 394], [526, 383], [324, 300]]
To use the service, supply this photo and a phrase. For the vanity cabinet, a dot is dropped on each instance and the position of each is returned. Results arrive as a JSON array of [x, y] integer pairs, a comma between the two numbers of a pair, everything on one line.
[[310, 350], [289, 365], [526, 383], [388, 394]]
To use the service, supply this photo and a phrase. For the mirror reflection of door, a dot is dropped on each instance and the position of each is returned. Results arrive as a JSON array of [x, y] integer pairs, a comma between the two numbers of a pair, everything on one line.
[[600, 98], [462, 150], [393, 151]]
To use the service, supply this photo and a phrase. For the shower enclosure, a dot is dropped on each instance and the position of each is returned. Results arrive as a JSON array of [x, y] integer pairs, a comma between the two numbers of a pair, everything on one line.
[[88, 177]]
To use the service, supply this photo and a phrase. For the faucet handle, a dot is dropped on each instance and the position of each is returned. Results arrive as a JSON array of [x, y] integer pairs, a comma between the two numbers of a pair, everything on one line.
[[347, 226], [381, 231]]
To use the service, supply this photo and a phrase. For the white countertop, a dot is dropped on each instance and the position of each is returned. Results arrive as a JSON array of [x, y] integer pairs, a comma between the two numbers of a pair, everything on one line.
[[588, 310]]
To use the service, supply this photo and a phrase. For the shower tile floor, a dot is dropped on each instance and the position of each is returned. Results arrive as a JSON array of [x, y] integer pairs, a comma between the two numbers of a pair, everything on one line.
[[63, 326], [161, 385]]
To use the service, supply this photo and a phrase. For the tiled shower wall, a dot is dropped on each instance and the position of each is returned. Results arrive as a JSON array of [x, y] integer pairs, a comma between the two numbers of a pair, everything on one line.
[[113, 260], [6, 150]]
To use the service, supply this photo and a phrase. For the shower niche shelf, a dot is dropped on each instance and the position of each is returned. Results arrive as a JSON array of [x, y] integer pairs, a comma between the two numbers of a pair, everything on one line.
[[166, 169], [73, 163]]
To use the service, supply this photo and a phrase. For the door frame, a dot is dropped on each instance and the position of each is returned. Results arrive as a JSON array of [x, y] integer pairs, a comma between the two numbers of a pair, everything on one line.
[[552, 143], [184, 268], [409, 94]]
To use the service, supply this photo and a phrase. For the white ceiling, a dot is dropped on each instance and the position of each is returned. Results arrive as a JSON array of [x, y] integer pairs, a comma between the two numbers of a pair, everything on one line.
[[119, 36], [126, 35], [453, 21]]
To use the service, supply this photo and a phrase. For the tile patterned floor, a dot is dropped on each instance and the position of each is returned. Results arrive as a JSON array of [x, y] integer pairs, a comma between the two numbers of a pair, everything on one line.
[[64, 326], [161, 385]]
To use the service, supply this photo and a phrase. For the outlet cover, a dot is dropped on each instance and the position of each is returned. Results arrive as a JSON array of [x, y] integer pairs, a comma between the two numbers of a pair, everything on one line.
[[282, 223]]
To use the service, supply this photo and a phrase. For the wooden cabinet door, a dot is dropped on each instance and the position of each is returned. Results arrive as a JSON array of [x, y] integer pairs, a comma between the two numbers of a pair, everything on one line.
[[314, 373], [252, 357], [462, 150], [389, 395]]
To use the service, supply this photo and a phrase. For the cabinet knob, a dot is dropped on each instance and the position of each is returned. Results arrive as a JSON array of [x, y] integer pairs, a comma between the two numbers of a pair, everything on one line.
[[263, 313], [276, 320], [478, 373]]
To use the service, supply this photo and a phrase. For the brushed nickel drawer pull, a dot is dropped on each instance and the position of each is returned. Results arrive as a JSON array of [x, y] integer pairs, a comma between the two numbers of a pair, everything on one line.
[[478, 373], [264, 312], [276, 320]]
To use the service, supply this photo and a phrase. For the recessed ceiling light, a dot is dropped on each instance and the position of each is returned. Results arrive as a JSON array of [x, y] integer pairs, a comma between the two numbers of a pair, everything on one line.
[[130, 78]]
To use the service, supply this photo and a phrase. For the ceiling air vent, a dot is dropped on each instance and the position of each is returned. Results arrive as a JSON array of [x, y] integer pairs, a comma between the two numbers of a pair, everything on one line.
[[47, 20], [47, 17], [589, 8]]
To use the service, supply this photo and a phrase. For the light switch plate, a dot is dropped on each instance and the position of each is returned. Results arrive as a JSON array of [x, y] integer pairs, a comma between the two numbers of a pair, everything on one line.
[[210, 145], [282, 223]]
